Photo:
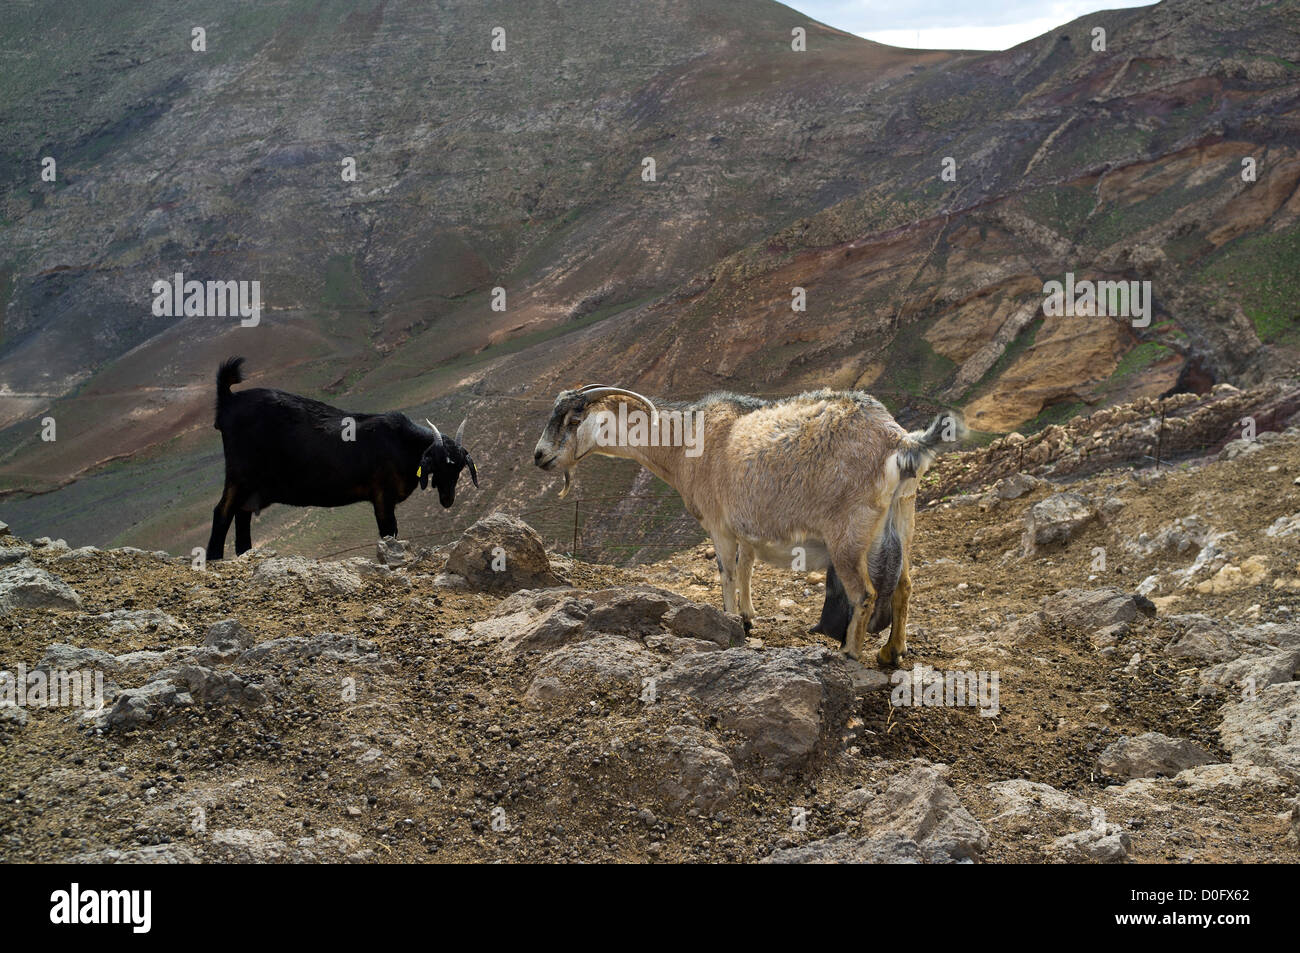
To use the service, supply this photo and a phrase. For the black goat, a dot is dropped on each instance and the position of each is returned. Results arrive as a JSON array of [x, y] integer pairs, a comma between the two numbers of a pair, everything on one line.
[[282, 448]]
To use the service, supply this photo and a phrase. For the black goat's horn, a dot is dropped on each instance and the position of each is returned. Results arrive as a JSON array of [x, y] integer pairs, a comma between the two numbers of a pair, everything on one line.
[[437, 434], [460, 431]]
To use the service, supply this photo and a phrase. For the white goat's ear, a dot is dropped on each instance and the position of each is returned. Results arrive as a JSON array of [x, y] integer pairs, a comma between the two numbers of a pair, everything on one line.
[[460, 431], [436, 434]]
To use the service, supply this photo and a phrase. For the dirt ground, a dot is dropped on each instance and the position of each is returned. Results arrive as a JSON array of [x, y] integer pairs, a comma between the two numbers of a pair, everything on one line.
[[437, 750]]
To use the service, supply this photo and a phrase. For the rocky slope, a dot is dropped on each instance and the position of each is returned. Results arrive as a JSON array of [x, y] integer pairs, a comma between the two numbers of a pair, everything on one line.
[[521, 169], [423, 705]]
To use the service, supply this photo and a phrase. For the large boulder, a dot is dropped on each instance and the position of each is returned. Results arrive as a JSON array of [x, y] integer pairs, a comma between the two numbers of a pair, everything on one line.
[[1103, 843], [1024, 805], [61, 657], [1229, 777], [783, 705], [149, 703], [545, 619], [240, 845], [501, 552], [641, 611], [1200, 637], [888, 848], [152, 622], [691, 771], [1015, 486], [159, 699], [1056, 520], [308, 574], [1264, 729], [28, 586], [332, 845], [1253, 672], [227, 637], [636, 610], [919, 805], [216, 687], [1151, 755], [1092, 609], [392, 552], [603, 663], [330, 645], [536, 620], [152, 854]]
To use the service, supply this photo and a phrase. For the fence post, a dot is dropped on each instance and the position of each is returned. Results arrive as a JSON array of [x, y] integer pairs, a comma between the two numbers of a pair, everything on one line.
[[575, 527], [1160, 438]]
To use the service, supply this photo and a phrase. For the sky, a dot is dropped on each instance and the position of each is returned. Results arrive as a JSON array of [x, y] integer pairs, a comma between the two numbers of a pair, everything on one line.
[[952, 24]]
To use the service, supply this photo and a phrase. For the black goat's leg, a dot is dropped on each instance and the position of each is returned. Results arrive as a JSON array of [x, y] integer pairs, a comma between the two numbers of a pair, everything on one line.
[[243, 532], [386, 518], [222, 514]]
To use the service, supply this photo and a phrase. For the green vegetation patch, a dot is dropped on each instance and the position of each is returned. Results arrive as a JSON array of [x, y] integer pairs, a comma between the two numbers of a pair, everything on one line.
[[1265, 275], [913, 366], [1062, 208]]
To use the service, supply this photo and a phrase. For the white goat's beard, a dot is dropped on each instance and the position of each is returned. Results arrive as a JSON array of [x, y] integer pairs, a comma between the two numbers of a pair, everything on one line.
[[568, 484]]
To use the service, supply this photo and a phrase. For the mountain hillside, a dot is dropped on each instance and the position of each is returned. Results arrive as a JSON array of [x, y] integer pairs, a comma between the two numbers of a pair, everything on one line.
[[522, 170]]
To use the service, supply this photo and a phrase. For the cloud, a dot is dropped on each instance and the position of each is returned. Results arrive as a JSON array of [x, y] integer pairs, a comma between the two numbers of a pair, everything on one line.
[[953, 24]]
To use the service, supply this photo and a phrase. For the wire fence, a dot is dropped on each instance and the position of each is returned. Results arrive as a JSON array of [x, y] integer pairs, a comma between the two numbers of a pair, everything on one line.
[[610, 541], [625, 530]]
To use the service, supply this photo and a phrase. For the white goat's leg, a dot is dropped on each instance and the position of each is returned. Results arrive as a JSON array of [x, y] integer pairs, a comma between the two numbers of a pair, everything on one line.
[[726, 548], [744, 570], [850, 566]]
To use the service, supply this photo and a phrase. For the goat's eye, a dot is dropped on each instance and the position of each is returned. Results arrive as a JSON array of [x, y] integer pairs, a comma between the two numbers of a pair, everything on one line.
[[575, 420]]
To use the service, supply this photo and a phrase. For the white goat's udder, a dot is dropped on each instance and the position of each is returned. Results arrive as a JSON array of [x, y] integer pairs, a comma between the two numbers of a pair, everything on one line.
[[786, 554]]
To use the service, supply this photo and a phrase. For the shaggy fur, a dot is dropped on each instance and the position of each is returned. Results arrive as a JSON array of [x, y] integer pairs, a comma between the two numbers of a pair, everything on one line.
[[829, 472]]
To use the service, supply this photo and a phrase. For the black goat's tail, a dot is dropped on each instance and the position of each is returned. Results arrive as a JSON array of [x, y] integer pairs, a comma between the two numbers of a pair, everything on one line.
[[230, 372]]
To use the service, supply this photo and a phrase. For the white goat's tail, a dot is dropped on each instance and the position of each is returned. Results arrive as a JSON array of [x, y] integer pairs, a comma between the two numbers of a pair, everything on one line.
[[920, 447], [885, 560]]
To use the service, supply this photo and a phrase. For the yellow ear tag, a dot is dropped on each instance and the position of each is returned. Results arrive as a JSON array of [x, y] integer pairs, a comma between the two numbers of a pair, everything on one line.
[[419, 471]]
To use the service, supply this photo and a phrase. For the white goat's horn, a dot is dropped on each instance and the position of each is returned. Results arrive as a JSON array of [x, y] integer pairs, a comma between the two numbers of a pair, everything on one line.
[[437, 435], [599, 391], [460, 431]]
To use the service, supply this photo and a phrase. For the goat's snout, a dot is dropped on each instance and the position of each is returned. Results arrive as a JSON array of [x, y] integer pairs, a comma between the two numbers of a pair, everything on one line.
[[540, 458]]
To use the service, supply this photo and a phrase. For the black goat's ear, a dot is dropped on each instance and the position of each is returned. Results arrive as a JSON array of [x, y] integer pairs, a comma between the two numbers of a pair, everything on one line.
[[473, 473], [422, 471]]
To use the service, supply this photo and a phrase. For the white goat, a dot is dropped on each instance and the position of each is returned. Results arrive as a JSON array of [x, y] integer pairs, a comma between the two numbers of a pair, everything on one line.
[[829, 471]]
